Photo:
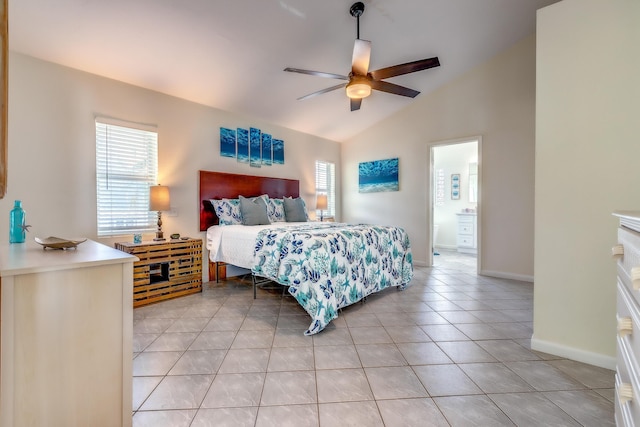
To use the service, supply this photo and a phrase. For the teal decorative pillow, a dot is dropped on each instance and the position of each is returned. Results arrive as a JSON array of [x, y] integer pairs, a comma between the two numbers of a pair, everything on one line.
[[295, 210], [275, 210], [228, 211], [254, 211]]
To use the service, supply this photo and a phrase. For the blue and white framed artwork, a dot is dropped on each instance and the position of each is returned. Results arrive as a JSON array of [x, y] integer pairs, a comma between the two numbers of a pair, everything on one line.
[[378, 175], [267, 155], [243, 145], [278, 151], [227, 142], [455, 186], [255, 151], [251, 146]]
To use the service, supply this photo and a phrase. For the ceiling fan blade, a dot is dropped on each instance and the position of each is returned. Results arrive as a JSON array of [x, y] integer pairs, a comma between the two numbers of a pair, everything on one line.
[[317, 73], [361, 57], [355, 104], [393, 88], [409, 67], [320, 92]]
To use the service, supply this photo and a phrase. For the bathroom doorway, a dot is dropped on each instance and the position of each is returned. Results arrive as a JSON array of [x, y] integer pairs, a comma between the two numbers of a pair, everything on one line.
[[455, 202]]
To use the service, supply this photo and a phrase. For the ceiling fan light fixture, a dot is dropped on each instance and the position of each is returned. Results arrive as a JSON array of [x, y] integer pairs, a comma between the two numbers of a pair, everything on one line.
[[358, 89]]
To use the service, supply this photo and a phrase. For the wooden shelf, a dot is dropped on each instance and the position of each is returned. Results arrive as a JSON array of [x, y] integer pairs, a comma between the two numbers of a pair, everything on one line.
[[167, 269]]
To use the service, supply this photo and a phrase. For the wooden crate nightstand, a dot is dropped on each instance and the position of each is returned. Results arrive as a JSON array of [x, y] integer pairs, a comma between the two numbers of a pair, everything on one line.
[[166, 269]]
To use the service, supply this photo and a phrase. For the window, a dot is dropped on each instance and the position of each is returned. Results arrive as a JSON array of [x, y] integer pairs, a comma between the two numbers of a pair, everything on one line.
[[126, 166], [326, 184]]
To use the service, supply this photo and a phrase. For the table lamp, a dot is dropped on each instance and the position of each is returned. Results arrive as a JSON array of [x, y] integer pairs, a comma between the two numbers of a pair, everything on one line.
[[159, 201], [321, 204]]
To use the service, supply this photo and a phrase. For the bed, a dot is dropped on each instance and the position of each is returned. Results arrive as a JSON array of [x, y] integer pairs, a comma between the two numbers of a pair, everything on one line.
[[325, 266]]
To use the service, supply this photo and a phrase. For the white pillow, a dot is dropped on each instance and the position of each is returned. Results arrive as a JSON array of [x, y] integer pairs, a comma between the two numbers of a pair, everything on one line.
[[228, 211], [275, 210]]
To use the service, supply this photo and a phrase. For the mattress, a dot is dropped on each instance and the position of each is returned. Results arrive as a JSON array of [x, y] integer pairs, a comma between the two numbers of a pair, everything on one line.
[[234, 244]]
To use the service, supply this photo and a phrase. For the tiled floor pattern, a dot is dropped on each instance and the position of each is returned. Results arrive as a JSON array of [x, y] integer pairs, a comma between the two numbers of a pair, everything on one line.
[[452, 349]]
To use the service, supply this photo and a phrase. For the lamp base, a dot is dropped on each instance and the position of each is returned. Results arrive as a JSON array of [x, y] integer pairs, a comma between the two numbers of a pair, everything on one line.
[[159, 234]]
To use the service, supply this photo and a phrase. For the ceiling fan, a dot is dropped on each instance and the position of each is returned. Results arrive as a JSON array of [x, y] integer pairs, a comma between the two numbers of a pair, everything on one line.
[[360, 80]]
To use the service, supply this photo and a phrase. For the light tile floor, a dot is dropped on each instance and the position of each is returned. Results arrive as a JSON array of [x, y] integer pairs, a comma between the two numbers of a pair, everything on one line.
[[452, 349]]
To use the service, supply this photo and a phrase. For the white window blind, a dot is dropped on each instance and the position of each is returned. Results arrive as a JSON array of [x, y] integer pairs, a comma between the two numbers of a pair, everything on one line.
[[126, 166], [326, 184]]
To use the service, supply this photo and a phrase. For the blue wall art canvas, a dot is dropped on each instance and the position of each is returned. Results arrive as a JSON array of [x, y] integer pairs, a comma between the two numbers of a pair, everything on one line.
[[379, 175], [227, 142], [255, 151], [267, 156], [243, 145], [278, 151], [251, 146]]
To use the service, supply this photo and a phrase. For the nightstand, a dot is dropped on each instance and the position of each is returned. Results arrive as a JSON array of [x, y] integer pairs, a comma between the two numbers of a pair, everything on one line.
[[165, 270]]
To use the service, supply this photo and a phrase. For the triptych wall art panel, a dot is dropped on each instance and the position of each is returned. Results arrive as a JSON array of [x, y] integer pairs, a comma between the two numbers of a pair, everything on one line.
[[379, 175], [251, 146]]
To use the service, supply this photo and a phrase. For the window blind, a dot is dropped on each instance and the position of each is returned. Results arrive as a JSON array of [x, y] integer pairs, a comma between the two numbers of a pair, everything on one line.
[[325, 183], [126, 166]]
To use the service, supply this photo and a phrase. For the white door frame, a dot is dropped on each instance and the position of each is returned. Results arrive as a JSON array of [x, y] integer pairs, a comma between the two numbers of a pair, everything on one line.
[[430, 195]]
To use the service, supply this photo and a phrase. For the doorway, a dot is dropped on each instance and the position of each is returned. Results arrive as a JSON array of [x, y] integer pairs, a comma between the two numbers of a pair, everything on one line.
[[455, 202]]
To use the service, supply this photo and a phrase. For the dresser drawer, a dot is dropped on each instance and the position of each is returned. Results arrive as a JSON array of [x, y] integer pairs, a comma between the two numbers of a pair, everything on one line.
[[625, 279], [467, 218], [630, 240], [623, 412], [465, 228], [626, 377], [628, 312], [465, 241]]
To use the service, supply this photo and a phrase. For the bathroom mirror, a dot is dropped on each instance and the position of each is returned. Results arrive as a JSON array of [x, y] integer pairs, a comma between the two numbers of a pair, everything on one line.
[[473, 182]]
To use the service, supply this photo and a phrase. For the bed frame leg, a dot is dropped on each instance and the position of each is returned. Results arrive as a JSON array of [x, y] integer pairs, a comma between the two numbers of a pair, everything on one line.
[[255, 285]]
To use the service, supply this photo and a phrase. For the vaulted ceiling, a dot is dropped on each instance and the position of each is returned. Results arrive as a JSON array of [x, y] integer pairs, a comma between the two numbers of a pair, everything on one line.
[[230, 54]]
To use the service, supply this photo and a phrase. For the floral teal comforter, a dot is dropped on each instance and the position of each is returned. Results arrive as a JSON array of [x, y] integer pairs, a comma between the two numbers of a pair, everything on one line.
[[328, 266]]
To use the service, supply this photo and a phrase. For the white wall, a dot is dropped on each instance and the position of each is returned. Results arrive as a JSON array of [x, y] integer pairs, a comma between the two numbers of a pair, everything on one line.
[[496, 101], [452, 159], [51, 165], [587, 153]]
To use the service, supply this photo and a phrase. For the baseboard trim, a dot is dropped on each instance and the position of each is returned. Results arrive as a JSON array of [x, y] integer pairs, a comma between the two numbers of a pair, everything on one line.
[[420, 263], [503, 275], [596, 359]]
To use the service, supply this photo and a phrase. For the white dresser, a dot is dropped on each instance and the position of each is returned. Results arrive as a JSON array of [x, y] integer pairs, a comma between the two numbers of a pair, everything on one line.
[[628, 317], [66, 336], [467, 237]]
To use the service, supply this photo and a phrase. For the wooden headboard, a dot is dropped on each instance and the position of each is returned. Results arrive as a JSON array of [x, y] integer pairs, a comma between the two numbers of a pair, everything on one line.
[[218, 185]]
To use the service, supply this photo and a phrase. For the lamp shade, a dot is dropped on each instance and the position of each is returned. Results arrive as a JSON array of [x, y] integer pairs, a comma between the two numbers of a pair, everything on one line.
[[321, 201], [159, 198]]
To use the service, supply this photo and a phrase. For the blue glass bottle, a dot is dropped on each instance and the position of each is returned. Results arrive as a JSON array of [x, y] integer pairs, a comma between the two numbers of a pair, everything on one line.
[[16, 223]]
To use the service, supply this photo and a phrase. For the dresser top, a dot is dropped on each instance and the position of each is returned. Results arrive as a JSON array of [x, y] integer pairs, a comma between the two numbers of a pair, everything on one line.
[[29, 257], [629, 219], [627, 214]]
